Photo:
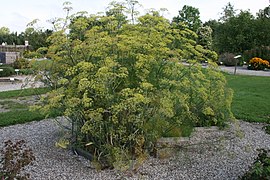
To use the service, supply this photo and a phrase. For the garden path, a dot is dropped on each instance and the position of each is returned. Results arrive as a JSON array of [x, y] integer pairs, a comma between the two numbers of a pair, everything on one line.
[[23, 82], [242, 70]]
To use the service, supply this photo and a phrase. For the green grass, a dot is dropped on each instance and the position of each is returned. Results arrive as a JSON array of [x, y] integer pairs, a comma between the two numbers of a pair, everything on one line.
[[251, 101], [8, 104], [19, 113], [23, 92], [19, 117]]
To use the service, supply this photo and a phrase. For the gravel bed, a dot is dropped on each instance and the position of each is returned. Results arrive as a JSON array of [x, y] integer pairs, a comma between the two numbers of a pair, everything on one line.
[[211, 155]]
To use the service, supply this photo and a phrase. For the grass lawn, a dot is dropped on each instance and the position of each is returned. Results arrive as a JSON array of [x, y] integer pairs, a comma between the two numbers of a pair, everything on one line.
[[251, 101], [22, 93], [19, 113], [19, 117]]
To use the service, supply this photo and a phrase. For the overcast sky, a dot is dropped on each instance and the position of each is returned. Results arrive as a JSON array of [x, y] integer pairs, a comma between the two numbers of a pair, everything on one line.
[[15, 14]]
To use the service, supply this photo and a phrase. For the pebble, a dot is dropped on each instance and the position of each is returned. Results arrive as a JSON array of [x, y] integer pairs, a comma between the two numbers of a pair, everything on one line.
[[222, 155]]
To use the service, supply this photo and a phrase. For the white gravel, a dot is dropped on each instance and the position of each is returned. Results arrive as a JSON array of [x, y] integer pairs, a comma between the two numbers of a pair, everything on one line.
[[219, 154]]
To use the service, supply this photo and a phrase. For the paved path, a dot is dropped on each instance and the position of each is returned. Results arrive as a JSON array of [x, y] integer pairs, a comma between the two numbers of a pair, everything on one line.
[[24, 82], [242, 70]]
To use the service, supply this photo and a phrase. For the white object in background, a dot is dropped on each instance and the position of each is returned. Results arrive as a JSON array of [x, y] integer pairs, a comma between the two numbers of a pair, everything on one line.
[[17, 71], [238, 56]]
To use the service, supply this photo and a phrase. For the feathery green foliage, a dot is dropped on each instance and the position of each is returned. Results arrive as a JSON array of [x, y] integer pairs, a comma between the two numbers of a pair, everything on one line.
[[122, 85]]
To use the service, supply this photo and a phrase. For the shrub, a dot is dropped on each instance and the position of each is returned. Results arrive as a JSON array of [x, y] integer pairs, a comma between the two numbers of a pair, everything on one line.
[[258, 64], [123, 87], [32, 55], [261, 167], [41, 65], [267, 129], [42, 50], [26, 71], [262, 52], [21, 63], [227, 59], [14, 158], [7, 71]]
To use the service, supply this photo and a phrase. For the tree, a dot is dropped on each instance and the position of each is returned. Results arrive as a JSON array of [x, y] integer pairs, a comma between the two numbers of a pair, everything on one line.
[[190, 16], [237, 34], [36, 37], [205, 36], [264, 13], [228, 12], [4, 31], [10, 37]]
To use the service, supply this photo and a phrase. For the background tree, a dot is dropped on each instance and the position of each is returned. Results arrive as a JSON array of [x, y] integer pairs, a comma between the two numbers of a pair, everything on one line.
[[228, 13], [10, 38], [4, 31], [236, 34], [205, 36], [36, 38], [190, 16], [262, 22], [264, 13]]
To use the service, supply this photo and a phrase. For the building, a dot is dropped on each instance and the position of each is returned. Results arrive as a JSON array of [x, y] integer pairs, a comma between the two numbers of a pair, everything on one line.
[[9, 57], [9, 53]]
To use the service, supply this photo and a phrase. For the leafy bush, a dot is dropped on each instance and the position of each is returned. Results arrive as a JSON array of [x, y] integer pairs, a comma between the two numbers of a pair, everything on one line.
[[7, 71], [26, 71], [123, 87], [21, 63], [32, 55], [262, 52], [206, 54], [227, 59], [42, 50], [258, 64], [261, 167], [14, 158], [267, 129], [41, 65]]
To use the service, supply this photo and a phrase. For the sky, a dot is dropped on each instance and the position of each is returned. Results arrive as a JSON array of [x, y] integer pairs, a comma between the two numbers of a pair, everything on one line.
[[16, 14]]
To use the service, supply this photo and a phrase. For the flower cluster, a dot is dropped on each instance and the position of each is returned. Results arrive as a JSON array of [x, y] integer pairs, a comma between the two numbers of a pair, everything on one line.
[[258, 64]]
